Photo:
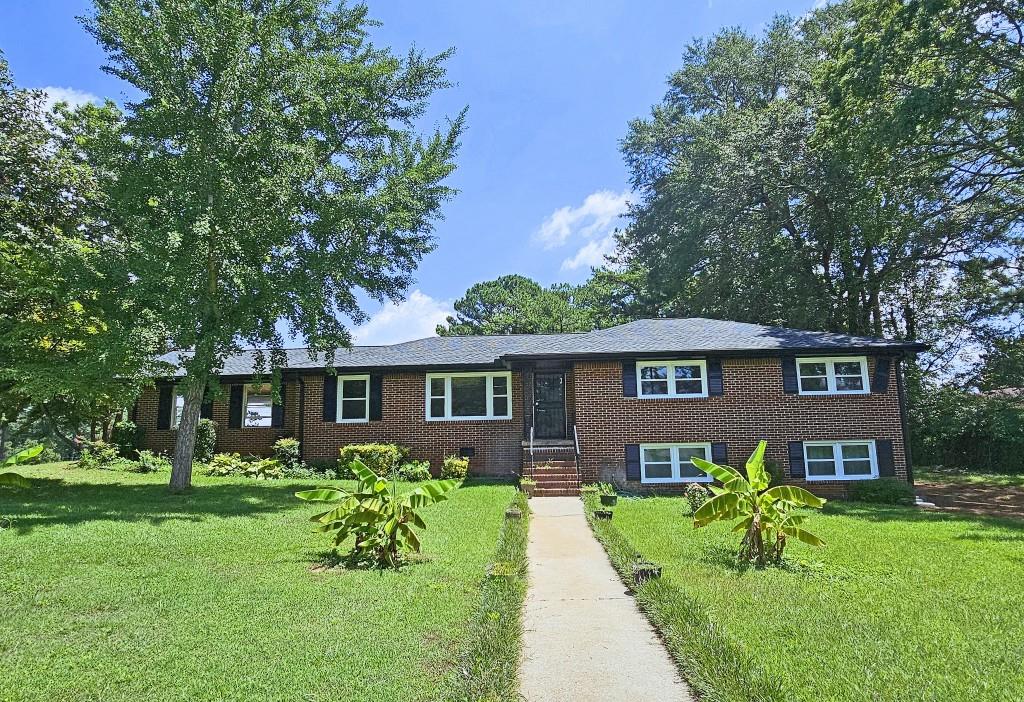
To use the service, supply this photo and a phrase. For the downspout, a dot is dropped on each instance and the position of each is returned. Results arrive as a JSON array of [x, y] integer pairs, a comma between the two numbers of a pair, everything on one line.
[[302, 419], [901, 390]]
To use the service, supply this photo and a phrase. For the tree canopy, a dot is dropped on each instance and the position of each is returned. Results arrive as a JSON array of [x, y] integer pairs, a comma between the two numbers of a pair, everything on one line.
[[270, 173]]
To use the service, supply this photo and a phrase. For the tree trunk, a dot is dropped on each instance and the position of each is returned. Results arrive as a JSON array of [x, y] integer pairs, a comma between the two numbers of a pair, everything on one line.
[[184, 447], [3, 440]]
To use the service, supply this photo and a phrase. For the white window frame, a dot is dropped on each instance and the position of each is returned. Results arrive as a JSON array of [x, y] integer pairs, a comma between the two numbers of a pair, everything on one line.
[[490, 375], [837, 458], [672, 378], [175, 417], [366, 405], [830, 374], [245, 407], [676, 477]]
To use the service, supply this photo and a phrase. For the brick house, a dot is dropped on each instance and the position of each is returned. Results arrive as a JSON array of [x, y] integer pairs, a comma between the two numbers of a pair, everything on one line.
[[630, 404]]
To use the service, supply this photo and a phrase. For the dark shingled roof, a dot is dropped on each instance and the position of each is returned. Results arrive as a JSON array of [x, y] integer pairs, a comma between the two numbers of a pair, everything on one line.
[[643, 337]]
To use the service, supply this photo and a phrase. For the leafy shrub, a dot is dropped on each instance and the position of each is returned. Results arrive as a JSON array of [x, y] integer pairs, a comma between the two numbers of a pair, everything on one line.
[[414, 471], [381, 520], [126, 436], [606, 489], [286, 451], [224, 464], [324, 467], [98, 455], [589, 489], [227, 464], [960, 429], [763, 511], [696, 494], [884, 491], [305, 472], [455, 468], [150, 462], [206, 440], [382, 459]]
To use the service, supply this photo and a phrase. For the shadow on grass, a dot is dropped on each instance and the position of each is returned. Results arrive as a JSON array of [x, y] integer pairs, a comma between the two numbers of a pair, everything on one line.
[[56, 502], [890, 513]]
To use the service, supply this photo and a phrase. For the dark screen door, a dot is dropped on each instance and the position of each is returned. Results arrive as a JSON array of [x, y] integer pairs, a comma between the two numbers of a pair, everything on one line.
[[549, 405]]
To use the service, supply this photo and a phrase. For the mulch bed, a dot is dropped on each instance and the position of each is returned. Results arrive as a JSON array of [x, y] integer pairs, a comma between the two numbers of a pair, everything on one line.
[[989, 500]]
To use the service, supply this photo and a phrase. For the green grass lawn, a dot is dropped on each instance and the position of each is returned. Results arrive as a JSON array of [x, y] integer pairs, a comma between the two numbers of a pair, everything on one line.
[[901, 605], [111, 588], [954, 476]]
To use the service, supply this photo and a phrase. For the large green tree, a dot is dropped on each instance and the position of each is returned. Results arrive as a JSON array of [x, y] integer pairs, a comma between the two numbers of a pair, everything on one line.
[[74, 351], [751, 209], [515, 304], [271, 172]]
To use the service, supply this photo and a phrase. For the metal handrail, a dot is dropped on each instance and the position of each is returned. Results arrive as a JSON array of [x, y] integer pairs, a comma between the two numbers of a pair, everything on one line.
[[532, 467], [576, 439]]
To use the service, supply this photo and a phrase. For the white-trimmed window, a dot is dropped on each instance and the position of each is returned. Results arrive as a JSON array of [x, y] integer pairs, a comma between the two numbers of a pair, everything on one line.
[[672, 378], [833, 376], [469, 395], [177, 407], [353, 398], [672, 463], [258, 406], [840, 460]]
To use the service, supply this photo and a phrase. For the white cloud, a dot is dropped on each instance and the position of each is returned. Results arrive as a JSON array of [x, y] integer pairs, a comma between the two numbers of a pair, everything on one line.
[[591, 254], [414, 318], [596, 217], [72, 96]]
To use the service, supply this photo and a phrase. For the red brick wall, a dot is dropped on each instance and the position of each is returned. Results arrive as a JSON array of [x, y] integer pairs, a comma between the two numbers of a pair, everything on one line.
[[247, 440], [498, 443], [753, 407]]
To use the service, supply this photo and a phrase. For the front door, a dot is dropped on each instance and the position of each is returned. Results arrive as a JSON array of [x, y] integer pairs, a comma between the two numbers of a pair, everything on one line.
[[549, 405]]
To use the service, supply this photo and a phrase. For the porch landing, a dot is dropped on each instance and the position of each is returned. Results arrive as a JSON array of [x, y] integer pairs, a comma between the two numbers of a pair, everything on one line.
[[584, 638]]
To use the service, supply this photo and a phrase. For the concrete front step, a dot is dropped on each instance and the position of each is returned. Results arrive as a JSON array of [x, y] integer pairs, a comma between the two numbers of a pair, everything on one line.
[[541, 492], [558, 470], [559, 485]]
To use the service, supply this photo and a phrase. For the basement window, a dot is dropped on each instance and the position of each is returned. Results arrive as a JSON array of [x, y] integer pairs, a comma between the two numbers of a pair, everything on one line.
[[840, 460], [673, 463], [466, 396]]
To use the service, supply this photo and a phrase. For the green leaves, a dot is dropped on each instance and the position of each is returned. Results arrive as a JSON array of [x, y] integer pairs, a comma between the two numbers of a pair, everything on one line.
[[378, 517], [762, 511], [20, 458]]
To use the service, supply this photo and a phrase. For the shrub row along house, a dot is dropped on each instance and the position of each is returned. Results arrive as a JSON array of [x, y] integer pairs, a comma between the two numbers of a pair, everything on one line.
[[631, 404]]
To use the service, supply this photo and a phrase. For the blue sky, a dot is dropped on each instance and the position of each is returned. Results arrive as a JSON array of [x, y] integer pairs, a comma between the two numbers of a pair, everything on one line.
[[550, 88]]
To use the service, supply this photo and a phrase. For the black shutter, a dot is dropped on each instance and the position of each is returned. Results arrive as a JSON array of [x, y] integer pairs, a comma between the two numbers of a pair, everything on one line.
[[632, 461], [886, 458], [629, 378], [796, 459], [277, 411], [235, 407], [330, 398], [206, 410], [719, 454], [716, 386], [376, 397], [789, 384], [880, 381], [165, 407]]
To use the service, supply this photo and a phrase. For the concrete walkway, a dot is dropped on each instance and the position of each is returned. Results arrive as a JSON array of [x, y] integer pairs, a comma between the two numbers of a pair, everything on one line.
[[584, 638]]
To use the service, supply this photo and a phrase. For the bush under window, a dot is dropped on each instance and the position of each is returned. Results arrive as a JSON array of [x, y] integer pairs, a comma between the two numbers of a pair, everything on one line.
[[382, 459], [884, 491], [455, 468]]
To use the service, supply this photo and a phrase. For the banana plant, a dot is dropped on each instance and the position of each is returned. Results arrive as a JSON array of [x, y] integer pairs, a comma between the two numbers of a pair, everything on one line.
[[381, 520], [766, 514], [20, 458]]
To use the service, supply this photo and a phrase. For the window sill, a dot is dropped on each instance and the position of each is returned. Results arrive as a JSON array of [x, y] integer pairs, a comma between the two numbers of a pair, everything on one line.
[[670, 397], [675, 481], [838, 478], [468, 419], [829, 393]]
